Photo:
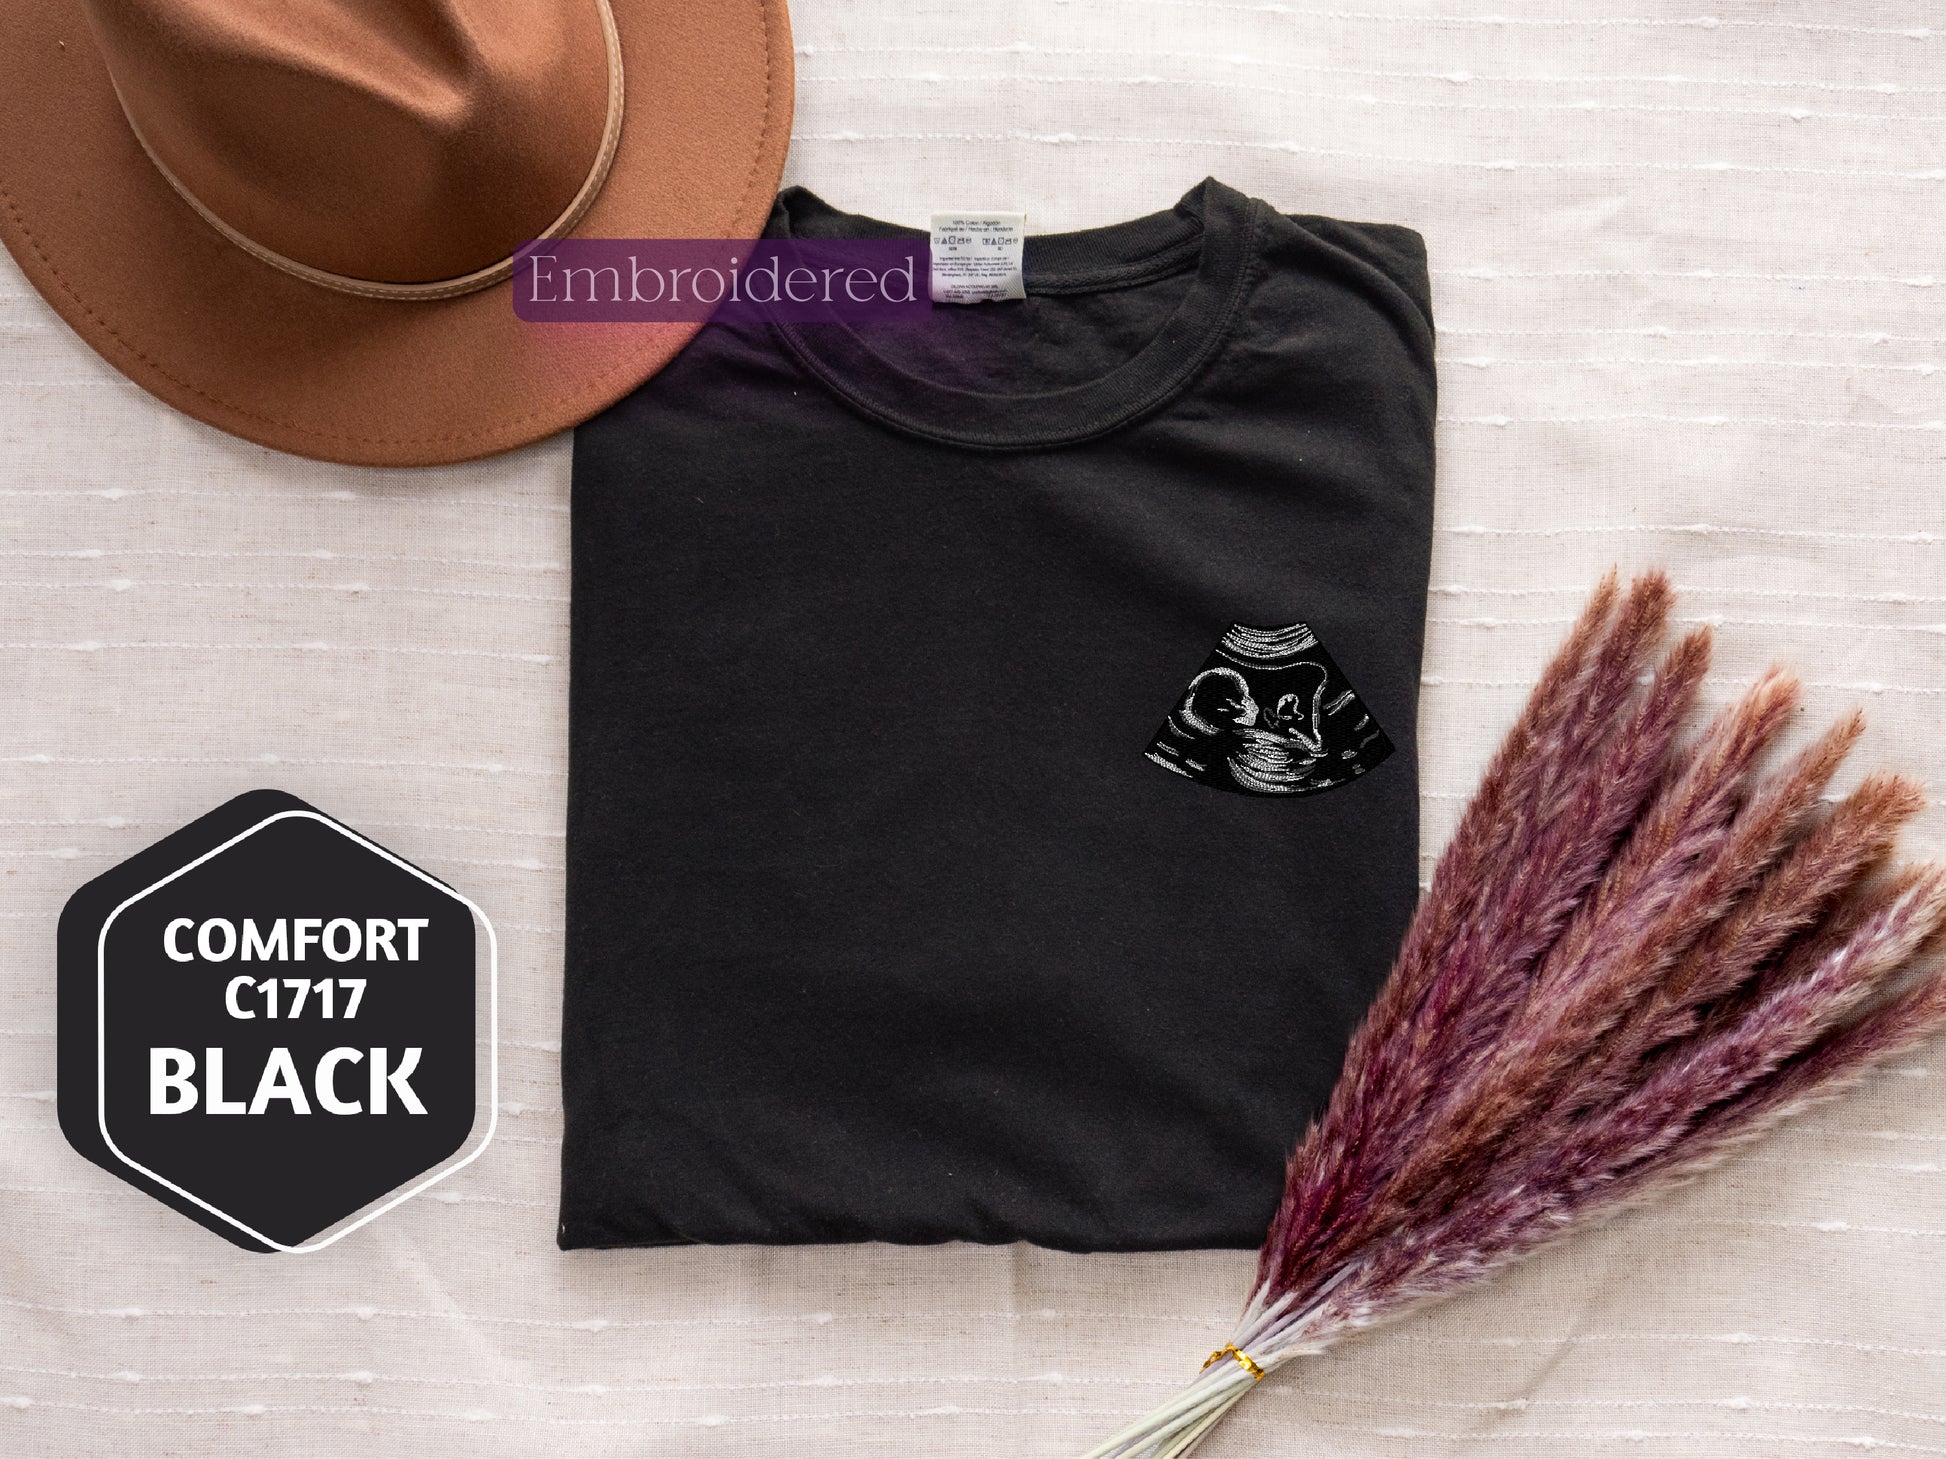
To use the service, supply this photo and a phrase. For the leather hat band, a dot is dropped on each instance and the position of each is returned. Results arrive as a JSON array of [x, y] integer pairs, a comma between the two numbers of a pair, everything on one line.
[[432, 288]]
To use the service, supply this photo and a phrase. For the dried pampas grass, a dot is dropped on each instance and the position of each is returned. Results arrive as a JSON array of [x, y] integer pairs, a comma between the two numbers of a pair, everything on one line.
[[1636, 955]]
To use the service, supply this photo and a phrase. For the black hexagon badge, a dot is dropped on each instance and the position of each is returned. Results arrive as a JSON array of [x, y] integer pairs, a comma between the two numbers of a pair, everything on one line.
[[275, 1025]]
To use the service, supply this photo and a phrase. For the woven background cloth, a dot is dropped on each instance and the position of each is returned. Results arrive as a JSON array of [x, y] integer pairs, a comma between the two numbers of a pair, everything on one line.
[[1684, 270]]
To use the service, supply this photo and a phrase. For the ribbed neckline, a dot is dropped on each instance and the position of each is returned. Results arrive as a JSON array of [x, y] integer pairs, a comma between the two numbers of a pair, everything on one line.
[[1212, 230]]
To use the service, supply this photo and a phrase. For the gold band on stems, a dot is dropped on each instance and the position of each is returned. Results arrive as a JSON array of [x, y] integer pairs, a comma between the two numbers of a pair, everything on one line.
[[1231, 1350]]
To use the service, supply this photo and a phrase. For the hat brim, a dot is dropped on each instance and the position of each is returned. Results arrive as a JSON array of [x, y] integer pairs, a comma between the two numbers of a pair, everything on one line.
[[232, 341]]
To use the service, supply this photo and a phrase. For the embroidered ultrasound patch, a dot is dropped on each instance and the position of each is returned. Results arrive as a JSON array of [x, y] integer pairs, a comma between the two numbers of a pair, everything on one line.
[[1269, 714]]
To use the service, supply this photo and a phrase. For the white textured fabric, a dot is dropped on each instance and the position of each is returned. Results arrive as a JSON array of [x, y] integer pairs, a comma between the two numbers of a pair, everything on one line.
[[1684, 271]]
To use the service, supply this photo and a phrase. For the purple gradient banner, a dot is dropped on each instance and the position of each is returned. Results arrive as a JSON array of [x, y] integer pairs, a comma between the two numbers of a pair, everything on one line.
[[673, 280]]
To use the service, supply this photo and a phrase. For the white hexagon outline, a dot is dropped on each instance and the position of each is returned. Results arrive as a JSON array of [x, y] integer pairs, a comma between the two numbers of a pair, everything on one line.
[[493, 1031]]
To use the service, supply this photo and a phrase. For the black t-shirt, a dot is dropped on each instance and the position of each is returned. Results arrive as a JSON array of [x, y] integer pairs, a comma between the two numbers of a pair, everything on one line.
[[992, 790]]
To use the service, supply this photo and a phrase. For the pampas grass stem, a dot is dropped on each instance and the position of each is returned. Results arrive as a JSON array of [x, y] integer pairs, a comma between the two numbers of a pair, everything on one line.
[[1635, 957]]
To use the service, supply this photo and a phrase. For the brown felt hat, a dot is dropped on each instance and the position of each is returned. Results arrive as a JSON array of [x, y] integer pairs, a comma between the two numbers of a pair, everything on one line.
[[296, 221]]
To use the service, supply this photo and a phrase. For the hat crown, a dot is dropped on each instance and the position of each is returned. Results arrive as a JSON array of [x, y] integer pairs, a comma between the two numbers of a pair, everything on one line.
[[400, 141]]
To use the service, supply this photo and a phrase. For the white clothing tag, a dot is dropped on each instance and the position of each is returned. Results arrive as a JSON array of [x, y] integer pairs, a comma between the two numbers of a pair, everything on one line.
[[976, 257]]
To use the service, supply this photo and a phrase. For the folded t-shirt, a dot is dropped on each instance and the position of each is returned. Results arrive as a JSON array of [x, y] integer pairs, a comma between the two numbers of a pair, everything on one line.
[[992, 786]]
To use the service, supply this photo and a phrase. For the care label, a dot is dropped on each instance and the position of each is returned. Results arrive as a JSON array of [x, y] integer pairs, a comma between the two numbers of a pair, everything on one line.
[[976, 257], [275, 1025]]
